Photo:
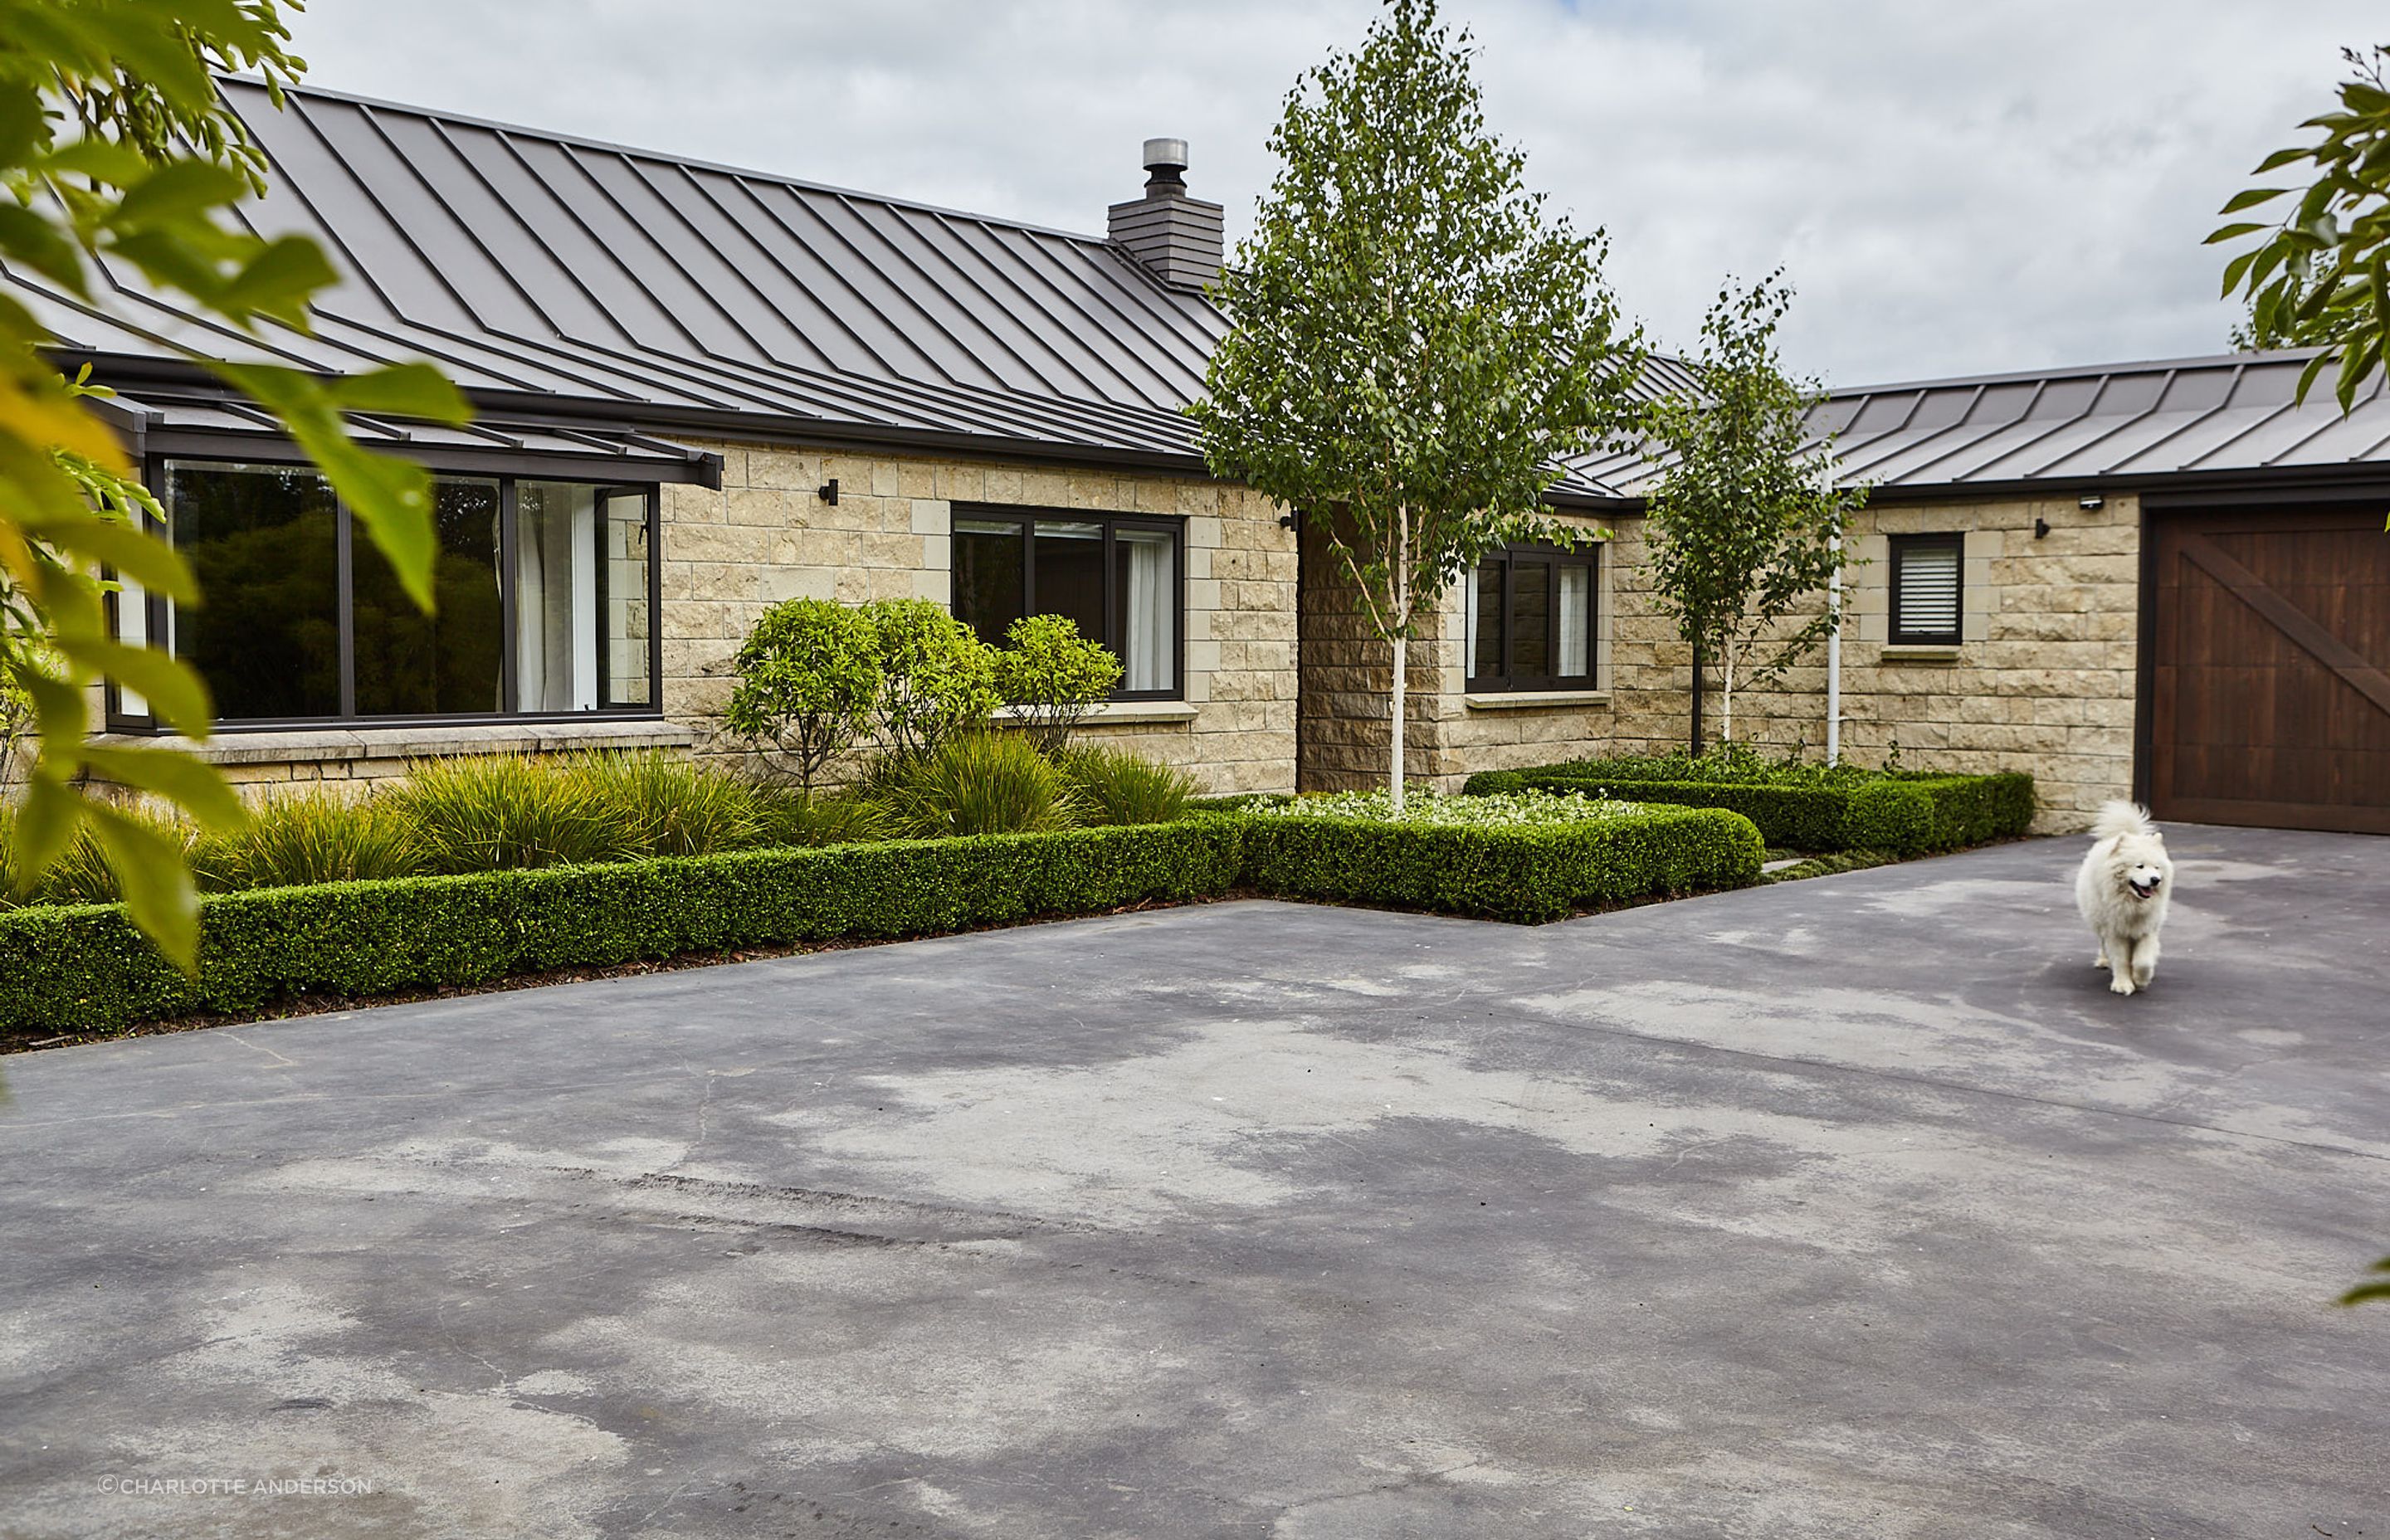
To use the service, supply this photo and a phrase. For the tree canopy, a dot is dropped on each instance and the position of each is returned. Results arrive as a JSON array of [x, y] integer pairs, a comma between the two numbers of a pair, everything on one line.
[[1414, 345], [2321, 273], [114, 147], [1746, 520]]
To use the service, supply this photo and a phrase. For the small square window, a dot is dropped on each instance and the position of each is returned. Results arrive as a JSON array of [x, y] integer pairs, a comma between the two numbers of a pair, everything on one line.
[[1927, 589]]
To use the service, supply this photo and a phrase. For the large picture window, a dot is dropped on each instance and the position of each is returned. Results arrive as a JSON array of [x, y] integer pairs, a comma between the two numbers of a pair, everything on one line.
[[546, 599], [1530, 620], [1118, 578]]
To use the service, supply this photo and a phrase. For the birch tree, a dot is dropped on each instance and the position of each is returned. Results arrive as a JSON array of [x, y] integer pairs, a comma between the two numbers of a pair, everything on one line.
[[1414, 344], [1745, 522]]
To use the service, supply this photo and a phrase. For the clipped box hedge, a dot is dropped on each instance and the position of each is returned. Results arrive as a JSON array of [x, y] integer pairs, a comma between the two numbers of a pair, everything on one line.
[[84, 969], [1532, 872], [1902, 814]]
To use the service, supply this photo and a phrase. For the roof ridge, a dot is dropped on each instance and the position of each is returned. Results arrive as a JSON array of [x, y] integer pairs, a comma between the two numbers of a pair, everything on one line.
[[666, 157]]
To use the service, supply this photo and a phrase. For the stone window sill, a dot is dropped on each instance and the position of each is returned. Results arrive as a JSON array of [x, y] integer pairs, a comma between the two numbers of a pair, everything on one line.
[[1527, 700], [1119, 712], [326, 745], [1920, 654]]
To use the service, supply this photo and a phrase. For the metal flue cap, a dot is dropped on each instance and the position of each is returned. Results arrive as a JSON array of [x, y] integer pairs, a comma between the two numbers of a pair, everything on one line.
[[1166, 155]]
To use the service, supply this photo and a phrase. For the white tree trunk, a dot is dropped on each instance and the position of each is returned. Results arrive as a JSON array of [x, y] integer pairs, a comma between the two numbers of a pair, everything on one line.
[[1402, 646], [1727, 712]]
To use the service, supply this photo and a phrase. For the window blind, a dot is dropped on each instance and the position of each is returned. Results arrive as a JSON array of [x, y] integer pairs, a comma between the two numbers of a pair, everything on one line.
[[1925, 604]]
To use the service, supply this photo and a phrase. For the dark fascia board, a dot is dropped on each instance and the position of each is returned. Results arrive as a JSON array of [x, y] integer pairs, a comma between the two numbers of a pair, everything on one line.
[[2156, 489], [704, 470], [751, 427], [2303, 482]]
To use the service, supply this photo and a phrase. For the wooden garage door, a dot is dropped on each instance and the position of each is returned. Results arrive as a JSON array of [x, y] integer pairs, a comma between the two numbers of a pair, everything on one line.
[[2269, 690]]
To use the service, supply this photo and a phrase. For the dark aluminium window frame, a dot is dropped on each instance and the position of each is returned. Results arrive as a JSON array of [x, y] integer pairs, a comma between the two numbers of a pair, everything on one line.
[[1552, 559], [1170, 524], [1902, 548], [153, 476]]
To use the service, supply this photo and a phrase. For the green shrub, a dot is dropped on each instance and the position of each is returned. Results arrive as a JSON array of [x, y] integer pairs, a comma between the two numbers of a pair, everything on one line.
[[1111, 785], [809, 680], [85, 969], [1054, 676], [1841, 809], [307, 837], [937, 677], [80, 873], [508, 813], [799, 818], [982, 783], [1529, 872], [677, 806]]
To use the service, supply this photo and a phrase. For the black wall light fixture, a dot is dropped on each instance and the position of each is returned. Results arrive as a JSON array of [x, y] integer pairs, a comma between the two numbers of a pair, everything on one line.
[[827, 492], [2040, 528]]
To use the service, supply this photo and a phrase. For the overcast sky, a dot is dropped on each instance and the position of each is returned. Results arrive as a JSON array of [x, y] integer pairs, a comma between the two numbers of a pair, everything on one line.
[[1954, 188]]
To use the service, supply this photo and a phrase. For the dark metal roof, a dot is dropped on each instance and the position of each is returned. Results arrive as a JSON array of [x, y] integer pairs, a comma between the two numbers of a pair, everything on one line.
[[561, 278], [2216, 418]]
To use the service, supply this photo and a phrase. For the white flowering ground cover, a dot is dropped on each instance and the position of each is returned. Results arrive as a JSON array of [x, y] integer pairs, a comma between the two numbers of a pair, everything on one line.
[[1504, 810]]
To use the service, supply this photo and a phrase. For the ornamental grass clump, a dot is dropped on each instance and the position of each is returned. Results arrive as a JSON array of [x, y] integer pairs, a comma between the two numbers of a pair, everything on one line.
[[1110, 786], [982, 783], [787, 816], [295, 841], [509, 813], [1507, 809], [675, 806]]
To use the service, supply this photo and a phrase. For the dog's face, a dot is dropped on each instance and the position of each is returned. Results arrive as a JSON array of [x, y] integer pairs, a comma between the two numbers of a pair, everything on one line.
[[2142, 865]]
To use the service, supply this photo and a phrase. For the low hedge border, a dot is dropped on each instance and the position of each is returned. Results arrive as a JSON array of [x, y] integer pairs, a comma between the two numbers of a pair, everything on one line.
[[1531, 873], [86, 969], [67, 970], [1904, 815]]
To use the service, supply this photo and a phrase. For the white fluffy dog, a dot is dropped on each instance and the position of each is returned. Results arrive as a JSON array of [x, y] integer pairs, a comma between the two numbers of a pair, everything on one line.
[[2122, 889]]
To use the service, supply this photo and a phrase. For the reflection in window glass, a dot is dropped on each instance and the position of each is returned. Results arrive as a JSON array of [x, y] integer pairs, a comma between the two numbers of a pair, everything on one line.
[[556, 597], [1071, 574], [1531, 619], [263, 542], [988, 576], [1147, 582], [624, 531], [409, 664]]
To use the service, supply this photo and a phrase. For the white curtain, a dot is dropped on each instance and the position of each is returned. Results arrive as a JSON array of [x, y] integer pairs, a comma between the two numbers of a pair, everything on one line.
[[1146, 636], [1468, 630], [556, 597], [1577, 588]]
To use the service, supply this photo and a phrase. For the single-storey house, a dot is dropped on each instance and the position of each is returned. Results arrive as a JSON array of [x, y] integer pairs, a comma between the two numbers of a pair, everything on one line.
[[703, 390]]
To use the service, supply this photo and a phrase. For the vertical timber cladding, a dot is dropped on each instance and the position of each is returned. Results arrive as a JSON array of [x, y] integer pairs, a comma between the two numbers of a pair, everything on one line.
[[2270, 666]]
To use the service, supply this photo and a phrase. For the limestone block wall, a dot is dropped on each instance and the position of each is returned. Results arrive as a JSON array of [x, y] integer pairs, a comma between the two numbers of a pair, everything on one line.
[[1347, 673], [767, 536], [2043, 680]]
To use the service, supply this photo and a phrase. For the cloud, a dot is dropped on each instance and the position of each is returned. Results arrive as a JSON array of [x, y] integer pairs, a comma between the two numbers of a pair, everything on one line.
[[1954, 190]]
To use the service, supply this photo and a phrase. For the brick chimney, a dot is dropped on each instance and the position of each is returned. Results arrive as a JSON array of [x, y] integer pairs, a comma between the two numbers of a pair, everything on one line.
[[1176, 237]]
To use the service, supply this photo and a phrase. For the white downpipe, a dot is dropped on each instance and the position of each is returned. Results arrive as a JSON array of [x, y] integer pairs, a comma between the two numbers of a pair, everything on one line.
[[1402, 613], [1835, 660]]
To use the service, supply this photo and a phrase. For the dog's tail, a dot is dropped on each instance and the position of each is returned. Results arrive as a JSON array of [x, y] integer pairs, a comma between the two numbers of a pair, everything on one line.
[[2120, 817]]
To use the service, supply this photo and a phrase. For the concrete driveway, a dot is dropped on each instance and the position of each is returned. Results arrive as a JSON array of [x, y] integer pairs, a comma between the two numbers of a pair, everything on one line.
[[1853, 1207]]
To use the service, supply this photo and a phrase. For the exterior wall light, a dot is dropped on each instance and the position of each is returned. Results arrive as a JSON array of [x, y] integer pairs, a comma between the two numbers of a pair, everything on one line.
[[827, 492], [2092, 504]]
